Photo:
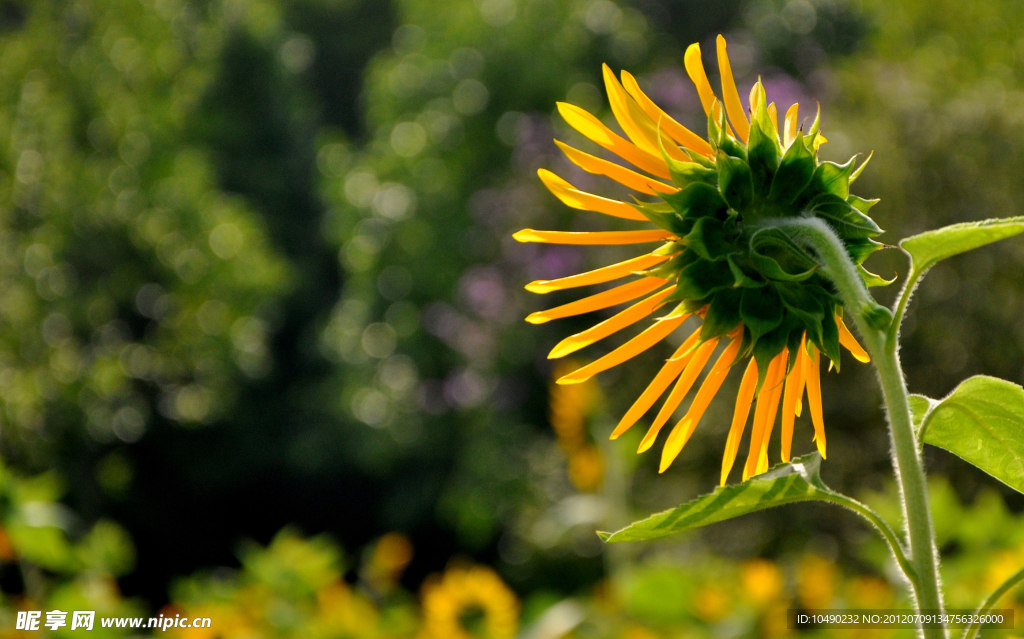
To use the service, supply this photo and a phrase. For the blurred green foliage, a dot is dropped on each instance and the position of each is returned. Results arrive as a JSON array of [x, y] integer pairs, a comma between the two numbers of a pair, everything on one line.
[[62, 562], [131, 283]]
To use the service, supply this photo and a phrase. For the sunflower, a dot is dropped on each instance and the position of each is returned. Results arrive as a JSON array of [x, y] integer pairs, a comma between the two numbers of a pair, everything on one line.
[[724, 257], [469, 603]]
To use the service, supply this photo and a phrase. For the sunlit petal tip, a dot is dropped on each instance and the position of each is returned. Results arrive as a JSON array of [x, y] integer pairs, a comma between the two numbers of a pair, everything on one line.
[[617, 172], [668, 455], [537, 318], [792, 120], [850, 343], [593, 238], [695, 69], [647, 442], [568, 380], [733, 106], [604, 274]]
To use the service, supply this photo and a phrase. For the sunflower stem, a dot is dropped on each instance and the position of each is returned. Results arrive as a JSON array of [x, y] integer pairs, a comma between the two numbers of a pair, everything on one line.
[[874, 323]]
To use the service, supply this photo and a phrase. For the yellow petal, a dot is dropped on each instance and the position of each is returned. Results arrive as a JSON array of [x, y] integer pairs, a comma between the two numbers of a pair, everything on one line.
[[595, 130], [597, 276], [730, 95], [847, 339], [744, 397], [573, 197], [648, 338], [618, 98], [773, 113], [814, 397], [695, 69], [708, 389], [617, 172], [792, 120], [773, 411], [617, 322], [759, 428], [637, 125], [802, 383], [591, 238], [668, 124], [604, 299], [679, 391], [654, 390], [789, 400]]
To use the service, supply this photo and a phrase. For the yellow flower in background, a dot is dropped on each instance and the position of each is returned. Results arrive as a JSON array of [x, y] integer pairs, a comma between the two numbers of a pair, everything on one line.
[[388, 559], [344, 613], [711, 603], [570, 407], [586, 468], [762, 581], [870, 592], [756, 292], [816, 582], [469, 603]]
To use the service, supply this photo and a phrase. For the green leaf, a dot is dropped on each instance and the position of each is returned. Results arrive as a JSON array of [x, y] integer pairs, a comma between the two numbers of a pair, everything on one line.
[[920, 406], [797, 481], [802, 302], [776, 256], [702, 278], [860, 169], [696, 200], [743, 277], [932, 246], [847, 221], [861, 249], [715, 128], [686, 173], [723, 315], [761, 310], [735, 181], [829, 343], [861, 204], [670, 269], [668, 248], [731, 147], [664, 216], [982, 422], [870, 279], [794, 174], [771, 344], [707, 239], [700, 159], [833, 178], [763, 158]]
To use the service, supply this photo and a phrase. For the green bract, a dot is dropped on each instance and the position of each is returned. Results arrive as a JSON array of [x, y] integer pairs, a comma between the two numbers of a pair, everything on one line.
[[734, 263]]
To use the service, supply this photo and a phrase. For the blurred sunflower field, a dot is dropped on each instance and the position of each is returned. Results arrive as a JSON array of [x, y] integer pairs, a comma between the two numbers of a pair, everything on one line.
[[262, 349]]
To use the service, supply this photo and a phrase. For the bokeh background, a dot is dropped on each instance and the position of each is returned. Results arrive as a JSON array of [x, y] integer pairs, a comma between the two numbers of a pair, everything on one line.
[[262, 355]]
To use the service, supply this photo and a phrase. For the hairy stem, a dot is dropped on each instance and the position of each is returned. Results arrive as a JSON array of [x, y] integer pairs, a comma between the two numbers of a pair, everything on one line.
[[873, 323], [880, 524]]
